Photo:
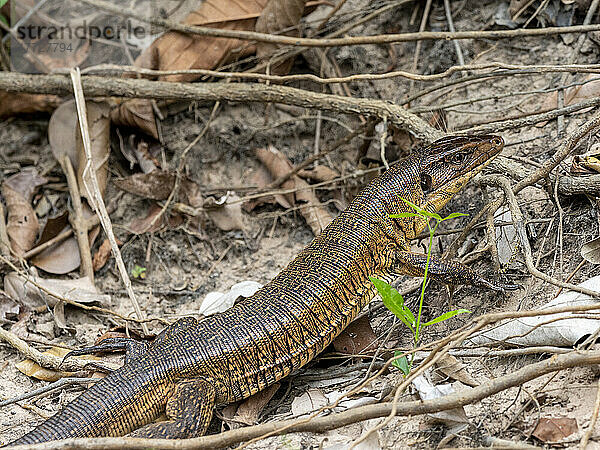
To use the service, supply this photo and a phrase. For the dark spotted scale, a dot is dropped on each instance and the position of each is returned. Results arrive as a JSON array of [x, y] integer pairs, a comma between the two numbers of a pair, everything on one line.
[[193, 365]]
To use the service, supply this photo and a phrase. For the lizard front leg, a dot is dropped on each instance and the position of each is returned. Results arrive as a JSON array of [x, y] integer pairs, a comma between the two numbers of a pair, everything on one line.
[[446, 271]]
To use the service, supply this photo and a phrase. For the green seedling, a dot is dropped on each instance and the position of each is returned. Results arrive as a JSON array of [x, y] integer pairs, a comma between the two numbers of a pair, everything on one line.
[[138, 272], [394, 301]]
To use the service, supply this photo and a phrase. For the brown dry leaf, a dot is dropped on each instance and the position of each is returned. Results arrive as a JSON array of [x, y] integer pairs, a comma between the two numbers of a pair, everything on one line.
[[317, 216], [137, 113], [277, 16], [102, 255], [62, 257], [140, 226], [355, 339], [65, 139], [450, 366], [178, 51], [156, 185], [32, 369], [13, 103], [261, 178], [249, 410], [319, 174], [553, 429], [79, 290], [575, 94], [22, 224]]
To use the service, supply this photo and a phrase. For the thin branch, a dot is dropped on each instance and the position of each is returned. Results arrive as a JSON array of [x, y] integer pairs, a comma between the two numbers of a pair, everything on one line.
[[116, 87], [335, 42]]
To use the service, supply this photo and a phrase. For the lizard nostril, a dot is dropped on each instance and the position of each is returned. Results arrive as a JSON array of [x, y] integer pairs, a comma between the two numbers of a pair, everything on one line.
[[498, 141]]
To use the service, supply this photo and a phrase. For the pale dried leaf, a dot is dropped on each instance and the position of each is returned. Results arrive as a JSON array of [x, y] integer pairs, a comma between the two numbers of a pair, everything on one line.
[[225, 212], [146, 161], [32, 369], [102, 255], [80, 290], [22, 224], [137, 113], [156, 185], [62, 133], [554, 429], [249, 410], [506, 235], [15, 103], [590, 251], [428, 391], [575, 94], [144, 225], [216, 302], [277, 16], [9, 309], [547, 330], [319, 174]]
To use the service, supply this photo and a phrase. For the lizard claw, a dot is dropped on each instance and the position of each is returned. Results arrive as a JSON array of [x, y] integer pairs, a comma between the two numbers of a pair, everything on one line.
[[499, 287]]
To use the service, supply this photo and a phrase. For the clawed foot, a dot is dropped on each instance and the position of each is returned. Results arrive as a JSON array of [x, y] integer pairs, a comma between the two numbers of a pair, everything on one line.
[[499, 287]]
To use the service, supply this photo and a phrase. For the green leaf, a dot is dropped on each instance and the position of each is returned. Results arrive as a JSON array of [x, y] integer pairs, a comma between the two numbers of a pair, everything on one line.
[[436, 216], [415, 207], [401, 363], [403, 215], [138, 272], [2, 18], [446, 316], [3, 2], [454, 215], [393, 300]]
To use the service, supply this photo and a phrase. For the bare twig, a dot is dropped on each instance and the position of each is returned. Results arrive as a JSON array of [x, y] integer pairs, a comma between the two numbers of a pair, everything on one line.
[[459, 53], [106, 87], [48, 361], [94, 193], [59, 384], [78, 222], [335, 42], [424, 18]]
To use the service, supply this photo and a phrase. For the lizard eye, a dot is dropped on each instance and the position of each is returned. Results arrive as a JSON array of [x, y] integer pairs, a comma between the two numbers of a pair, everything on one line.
[[426, 182], [458, 158]]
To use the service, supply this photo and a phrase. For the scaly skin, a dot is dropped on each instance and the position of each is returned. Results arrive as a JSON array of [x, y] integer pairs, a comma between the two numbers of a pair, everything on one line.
[[194, 365]]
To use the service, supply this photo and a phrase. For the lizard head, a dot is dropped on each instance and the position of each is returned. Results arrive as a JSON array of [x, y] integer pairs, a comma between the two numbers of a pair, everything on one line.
[[449, 163]]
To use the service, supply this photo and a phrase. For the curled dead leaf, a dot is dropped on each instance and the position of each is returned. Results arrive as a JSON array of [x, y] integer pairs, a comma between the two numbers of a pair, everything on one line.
[[137, 113], [554, 429], [144, 225], [225, 212], [80, 290], [22, 225], [102, 255]]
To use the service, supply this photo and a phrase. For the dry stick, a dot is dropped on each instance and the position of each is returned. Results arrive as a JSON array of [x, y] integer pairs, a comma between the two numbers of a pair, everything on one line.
[[588, 433], [49, 361], [415, 63], [335, 42], [78, 222], [509, 69], [572, 58], [532, 118], [116, 87], [459, 53], [59, 384], [518, 220], [96, 197], [337, 420]]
